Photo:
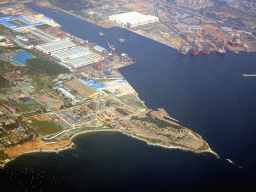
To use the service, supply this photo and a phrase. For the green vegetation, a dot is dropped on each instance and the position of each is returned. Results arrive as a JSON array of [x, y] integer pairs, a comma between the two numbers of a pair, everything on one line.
[[4, 83], [6, 30], [36, 66], [17, 22], [2, 155], [5, 66], [140, 104], [45, 127], [25, 107], [44, 26], [74, 5]]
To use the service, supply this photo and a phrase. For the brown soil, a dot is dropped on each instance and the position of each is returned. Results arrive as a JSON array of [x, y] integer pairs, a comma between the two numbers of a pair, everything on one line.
[[135, 6], [34, 145]]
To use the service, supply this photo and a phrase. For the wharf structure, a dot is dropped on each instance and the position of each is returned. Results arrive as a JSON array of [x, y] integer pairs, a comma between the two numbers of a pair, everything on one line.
[[133, 19]]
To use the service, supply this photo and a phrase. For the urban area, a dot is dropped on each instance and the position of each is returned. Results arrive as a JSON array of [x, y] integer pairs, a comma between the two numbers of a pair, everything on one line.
[[55, 85], [191, 26]]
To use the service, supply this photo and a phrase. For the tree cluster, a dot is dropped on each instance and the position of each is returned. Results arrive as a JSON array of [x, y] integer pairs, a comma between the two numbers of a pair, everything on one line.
[[37, 65]]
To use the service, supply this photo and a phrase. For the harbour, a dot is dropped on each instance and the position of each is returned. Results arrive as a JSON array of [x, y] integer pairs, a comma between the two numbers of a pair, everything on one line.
[[141, 58], [201, 93]]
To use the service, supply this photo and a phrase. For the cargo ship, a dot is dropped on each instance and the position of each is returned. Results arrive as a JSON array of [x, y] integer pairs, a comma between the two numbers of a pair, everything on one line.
[[101, 34], [182, 50], [206, 51], [194, 51], [120, 40]]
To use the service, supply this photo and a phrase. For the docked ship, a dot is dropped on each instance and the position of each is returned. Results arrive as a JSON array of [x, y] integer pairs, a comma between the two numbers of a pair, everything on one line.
[[222, 50], [101, 34], [182, 50], [206, 50], [120, 40], [194, 51]]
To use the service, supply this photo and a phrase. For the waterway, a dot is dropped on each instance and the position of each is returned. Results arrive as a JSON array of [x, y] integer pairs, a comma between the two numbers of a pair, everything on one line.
[[207, 94]]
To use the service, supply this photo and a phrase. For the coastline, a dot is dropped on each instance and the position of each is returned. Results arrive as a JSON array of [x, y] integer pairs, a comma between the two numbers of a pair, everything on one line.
[[56, 150], [138, 31], [115, 25]]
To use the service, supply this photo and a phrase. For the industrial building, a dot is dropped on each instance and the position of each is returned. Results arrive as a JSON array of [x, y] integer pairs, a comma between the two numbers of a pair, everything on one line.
[[44, 36], [132, 19], [55, 46], [86, 59], [23, 44], [74, 52], [229, 31], [81, 88], [76, 56], [99, 48]]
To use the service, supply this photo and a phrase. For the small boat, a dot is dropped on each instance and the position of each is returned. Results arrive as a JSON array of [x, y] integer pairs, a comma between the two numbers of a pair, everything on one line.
[[101, 34], [56, 11], [222, 51], [120, 40]]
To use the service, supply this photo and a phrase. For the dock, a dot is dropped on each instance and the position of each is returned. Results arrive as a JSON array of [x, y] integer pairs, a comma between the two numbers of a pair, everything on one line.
[[248, 75]]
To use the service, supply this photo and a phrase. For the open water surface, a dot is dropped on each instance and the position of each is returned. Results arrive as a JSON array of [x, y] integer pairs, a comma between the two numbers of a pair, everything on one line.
[[207, 94]]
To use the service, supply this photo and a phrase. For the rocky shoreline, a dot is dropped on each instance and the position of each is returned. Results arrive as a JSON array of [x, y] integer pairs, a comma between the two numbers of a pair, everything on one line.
[[71, 144]]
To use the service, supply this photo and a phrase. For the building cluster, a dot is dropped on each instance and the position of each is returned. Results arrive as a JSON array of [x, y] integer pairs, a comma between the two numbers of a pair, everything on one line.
[[194, 4], [133, 19]]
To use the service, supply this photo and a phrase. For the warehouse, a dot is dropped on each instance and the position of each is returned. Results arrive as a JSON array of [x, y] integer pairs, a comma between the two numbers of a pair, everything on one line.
[[231, 31], [55, 46], [23, 44], [44, 36], [63, 55], [99, 48], [86, 59], [81, 88], [132, 19]]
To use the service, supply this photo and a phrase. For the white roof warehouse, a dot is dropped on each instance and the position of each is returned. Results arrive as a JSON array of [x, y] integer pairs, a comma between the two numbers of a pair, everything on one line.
[[133, 19]]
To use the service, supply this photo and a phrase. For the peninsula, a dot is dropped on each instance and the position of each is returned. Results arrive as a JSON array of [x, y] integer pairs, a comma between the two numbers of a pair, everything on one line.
[[56, 86]]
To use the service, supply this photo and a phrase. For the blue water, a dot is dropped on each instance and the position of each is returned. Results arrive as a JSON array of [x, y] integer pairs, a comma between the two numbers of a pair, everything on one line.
[[22, 57], [207, 94]]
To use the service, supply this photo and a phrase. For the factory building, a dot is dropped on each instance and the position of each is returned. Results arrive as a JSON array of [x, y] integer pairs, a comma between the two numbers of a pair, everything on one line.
[[132, 19], [55, 46], [23, 44], [44, 36], [86, 59], [74, 52], [81, 88], [229, 29], [76, 56], [66, 93]]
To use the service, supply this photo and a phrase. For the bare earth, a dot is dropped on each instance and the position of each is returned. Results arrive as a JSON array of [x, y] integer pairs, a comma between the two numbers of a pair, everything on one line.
[[34, 145]]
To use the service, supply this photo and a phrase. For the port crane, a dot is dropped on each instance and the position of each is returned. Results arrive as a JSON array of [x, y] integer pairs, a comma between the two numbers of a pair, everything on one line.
[[112, 48], [97, 65]]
